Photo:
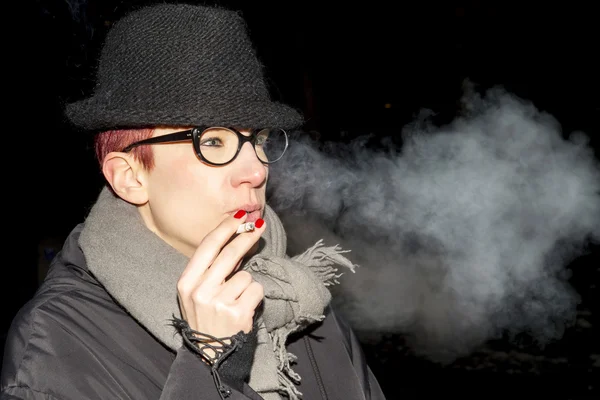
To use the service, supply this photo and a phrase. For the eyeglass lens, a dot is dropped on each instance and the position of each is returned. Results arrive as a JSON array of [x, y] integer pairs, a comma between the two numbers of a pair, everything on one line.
[[219, 145]]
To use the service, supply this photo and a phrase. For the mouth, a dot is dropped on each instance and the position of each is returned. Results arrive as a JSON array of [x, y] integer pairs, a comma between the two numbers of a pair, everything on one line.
[[253, 212], [253, 216]]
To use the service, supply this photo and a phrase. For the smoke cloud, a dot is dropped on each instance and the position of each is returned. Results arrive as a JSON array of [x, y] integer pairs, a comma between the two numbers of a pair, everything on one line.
[[462, 234]]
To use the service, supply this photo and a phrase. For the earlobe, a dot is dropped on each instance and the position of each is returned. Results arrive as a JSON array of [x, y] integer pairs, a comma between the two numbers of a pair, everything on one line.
[[126, 177]]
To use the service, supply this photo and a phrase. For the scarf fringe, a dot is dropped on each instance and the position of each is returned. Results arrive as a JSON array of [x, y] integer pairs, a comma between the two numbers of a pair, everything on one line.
[[288, 378], [287, 388], [323, 260]]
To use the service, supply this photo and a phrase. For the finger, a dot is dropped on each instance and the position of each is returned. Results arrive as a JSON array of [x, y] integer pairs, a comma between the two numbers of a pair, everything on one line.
[[184, 314], [247, 306], [235, 269], [252, 296], [208, 250], [199, 263], [234, 287], [230, 256]]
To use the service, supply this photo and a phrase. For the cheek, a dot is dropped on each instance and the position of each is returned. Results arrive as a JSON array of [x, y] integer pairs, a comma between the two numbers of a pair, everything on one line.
[[188, 193], [171, 181], [184, 183], [177, 168]]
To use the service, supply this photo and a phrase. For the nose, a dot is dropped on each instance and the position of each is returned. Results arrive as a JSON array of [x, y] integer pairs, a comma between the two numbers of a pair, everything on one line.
[[248, 168]]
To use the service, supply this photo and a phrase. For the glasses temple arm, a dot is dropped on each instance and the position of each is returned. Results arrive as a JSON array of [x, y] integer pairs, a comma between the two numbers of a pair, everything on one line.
[[172, 137]]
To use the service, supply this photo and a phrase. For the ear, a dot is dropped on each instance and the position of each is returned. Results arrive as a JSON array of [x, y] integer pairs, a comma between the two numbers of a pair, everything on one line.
[[126, 176]]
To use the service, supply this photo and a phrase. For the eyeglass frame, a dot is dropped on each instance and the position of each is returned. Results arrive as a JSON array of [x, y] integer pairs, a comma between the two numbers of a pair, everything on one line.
[[194, 135]]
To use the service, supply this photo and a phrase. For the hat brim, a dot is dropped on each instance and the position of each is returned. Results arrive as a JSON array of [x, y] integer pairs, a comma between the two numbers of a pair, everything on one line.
[[95, 114]]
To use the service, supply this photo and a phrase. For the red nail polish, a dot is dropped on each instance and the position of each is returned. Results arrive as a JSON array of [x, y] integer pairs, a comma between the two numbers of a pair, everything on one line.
[[239, 214], [259, 223]]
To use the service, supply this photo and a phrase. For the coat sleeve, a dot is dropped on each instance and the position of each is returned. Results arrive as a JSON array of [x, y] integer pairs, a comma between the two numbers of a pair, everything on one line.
[[24, 393], [369, 382], [190, 378]]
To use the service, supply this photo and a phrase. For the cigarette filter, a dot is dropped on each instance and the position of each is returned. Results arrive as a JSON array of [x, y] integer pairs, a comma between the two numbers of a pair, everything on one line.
[[247, 227]]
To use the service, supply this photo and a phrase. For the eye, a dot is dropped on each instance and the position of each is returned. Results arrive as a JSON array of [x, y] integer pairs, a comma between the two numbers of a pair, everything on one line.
[[212, 142]]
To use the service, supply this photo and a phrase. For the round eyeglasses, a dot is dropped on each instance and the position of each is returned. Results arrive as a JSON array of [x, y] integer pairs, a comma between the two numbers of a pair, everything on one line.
[[221, 145]]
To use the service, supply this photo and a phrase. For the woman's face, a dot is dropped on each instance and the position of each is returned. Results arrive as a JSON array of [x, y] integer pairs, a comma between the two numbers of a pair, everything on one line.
[[188, 198]]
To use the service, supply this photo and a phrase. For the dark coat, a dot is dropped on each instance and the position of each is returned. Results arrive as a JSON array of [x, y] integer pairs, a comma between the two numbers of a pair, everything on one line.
[[73, 341]]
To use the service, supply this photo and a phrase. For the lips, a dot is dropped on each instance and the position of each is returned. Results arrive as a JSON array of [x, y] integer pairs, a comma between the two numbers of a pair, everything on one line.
[[253, 216], [253, 211]]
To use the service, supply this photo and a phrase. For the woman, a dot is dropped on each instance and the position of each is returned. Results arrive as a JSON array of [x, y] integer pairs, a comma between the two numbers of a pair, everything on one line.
[[177, 284]]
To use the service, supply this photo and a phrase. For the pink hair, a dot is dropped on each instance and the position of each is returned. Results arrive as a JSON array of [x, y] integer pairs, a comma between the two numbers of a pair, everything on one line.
[[116, 140]]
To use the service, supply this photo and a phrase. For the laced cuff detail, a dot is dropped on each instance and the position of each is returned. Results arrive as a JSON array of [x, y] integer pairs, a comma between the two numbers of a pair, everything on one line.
[[199, 343]]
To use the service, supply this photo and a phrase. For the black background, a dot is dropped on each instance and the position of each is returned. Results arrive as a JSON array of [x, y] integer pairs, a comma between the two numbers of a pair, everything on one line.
[[340, 63]]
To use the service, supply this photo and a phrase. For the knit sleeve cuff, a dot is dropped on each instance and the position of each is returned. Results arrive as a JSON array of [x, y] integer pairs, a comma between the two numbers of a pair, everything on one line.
[[229, 357]]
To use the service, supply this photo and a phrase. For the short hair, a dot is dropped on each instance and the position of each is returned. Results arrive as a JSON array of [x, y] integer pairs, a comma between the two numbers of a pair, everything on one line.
[[116, 140]]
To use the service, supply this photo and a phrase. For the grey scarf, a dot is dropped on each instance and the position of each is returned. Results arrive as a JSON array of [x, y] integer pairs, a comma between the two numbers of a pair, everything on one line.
[[140, 271]]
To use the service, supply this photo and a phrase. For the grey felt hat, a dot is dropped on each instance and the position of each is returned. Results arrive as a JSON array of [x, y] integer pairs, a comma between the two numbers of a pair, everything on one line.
[[180, 65]]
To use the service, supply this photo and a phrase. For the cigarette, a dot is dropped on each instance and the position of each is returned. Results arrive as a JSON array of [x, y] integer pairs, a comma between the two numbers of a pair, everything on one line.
[[247, 227]]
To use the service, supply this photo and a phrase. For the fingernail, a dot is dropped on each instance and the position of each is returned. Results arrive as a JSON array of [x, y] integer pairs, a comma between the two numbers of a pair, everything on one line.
[[239, 214], [259, 223]]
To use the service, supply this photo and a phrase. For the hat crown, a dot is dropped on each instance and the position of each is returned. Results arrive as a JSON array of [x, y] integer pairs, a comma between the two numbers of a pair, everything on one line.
[[180, 52]]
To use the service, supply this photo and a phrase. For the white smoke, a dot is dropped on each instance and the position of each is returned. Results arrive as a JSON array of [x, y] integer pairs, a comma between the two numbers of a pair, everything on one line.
[[77, 8], [463, 234]]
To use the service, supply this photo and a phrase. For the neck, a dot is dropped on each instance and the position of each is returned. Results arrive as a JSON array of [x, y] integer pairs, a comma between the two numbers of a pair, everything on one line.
[[145, 211]]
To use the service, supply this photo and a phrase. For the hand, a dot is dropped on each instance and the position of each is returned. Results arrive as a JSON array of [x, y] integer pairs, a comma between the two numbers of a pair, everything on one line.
[[211, 303]]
